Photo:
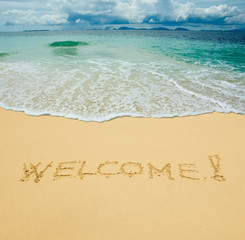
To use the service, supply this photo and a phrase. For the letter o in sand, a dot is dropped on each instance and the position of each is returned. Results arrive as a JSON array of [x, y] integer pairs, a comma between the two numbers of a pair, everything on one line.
[[137, 168]]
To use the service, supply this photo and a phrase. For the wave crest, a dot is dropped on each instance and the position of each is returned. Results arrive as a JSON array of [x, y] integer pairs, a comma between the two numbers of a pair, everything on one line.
[[68, 44]]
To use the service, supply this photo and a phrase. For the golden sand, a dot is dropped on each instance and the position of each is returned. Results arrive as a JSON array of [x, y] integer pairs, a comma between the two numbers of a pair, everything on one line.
[[129, 178]]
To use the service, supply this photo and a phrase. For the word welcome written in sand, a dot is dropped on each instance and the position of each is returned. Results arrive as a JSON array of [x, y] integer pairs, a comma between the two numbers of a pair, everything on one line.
[[108, 169]]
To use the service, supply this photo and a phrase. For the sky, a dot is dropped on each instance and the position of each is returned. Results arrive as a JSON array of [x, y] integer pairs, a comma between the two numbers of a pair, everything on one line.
[[19, 15]]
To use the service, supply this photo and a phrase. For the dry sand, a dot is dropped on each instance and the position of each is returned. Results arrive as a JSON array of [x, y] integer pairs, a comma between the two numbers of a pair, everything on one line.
[[99, 181]]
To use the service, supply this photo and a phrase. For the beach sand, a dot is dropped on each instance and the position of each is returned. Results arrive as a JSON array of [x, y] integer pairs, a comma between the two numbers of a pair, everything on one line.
[[128, 178]]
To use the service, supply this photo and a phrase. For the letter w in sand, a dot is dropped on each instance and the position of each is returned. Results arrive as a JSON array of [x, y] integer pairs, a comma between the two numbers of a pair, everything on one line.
[[34, 171]]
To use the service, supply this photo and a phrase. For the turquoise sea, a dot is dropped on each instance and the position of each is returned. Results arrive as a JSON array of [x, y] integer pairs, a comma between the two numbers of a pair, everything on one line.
[[100, 75]]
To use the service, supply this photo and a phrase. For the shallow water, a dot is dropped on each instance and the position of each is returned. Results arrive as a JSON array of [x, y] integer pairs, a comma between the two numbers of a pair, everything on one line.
[[100, 75]]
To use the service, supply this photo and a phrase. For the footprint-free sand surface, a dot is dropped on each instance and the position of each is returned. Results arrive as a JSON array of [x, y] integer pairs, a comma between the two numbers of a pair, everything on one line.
[[128, 178]]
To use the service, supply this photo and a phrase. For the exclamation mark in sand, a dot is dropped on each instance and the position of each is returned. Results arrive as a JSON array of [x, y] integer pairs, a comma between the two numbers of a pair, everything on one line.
[[215, 163]]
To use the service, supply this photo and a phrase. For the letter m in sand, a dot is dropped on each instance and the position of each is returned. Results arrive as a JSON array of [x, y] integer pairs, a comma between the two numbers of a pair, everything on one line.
[[33, 170]]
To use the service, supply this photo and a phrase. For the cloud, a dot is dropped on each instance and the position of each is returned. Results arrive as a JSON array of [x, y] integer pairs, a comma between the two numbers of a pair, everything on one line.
[[31, 17], [53, 19], [238, 19], [95, 19], [106, 12], [189, 13], [214, 13], [148, 11]]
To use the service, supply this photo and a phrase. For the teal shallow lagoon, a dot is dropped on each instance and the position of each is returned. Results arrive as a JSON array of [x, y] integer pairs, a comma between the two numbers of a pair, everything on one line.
[[122, 73]]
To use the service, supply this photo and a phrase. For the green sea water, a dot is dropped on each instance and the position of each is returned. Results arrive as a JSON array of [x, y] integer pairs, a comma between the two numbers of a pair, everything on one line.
[[100, 75]]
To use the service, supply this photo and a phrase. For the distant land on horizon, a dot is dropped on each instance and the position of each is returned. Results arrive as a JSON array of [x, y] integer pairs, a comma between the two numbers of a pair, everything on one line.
[[177, 29], [42, 30], [129, 28]]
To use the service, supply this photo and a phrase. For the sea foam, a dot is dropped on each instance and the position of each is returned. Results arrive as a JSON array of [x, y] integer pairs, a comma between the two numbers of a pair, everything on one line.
[[119, 76]]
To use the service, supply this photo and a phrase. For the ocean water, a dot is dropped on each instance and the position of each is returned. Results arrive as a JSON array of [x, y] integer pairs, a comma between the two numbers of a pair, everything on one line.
[[101, 75]]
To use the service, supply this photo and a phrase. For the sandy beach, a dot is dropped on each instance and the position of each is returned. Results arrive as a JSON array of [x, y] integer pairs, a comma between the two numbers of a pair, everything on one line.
[[128, 178]]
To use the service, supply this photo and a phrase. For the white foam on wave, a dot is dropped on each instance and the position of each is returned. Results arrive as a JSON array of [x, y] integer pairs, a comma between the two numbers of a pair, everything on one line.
[[99, 90]]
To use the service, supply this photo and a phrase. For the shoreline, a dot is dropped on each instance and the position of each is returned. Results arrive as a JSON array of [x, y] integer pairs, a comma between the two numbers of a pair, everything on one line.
[[126, 178], [116, 117]]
